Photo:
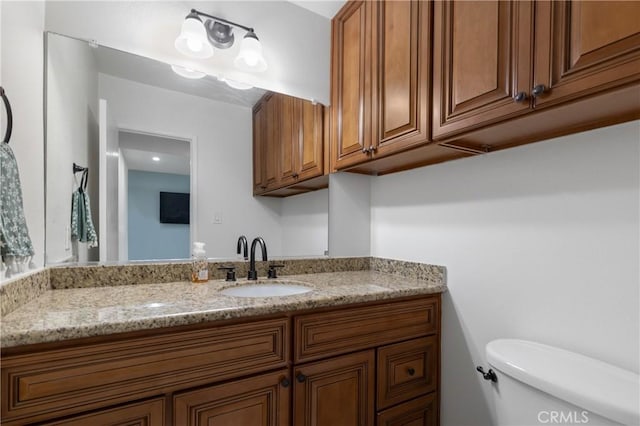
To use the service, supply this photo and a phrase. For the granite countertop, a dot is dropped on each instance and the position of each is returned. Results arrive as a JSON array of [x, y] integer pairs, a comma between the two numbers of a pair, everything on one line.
[[66, 314]]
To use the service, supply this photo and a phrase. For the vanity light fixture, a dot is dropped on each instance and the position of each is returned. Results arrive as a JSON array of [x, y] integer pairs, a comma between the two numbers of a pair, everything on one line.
[[187, 72], [197, 39]]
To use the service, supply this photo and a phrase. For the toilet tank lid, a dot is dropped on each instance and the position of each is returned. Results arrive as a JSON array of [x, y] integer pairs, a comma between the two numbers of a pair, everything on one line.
[[596, 386]]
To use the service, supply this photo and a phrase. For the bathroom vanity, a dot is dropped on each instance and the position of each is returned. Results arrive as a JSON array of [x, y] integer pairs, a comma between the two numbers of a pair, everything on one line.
[[362, 348]]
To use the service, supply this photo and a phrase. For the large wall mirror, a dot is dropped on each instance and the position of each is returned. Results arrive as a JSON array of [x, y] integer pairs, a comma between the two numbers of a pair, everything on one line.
[[158, 160]]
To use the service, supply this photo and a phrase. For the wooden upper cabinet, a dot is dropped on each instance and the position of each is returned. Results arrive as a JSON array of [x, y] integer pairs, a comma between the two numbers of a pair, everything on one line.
[[402, 36], [258, 401], [380, 79], [482, 61], [288, 145], [337, 391], [583, 47], [351, 83]]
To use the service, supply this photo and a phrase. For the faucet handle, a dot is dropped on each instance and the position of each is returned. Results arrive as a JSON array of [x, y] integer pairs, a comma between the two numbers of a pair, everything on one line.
[[231, 272], [273, 271]]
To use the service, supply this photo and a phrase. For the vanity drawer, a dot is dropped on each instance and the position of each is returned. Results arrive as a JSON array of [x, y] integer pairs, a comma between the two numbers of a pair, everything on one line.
[[150, 413], [60, 382], [406, 370], [348, 330], [421, 411]]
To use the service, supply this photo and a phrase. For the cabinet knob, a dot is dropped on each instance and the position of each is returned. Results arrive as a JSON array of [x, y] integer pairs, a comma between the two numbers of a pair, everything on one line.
[[295, 175], [285, 382], [365, 151], [520, 97], [411, 371], [372, 149], [539, 90], [301, 378]]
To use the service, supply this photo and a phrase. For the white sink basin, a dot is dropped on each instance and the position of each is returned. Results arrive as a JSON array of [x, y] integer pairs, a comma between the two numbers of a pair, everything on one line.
[[266, 289]]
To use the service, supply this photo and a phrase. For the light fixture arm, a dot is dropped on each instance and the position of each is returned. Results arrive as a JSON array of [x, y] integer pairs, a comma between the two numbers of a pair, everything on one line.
[[206, 15]]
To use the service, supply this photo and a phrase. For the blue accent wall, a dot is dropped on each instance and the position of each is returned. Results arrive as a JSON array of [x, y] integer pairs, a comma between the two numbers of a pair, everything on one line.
[[148, 238]]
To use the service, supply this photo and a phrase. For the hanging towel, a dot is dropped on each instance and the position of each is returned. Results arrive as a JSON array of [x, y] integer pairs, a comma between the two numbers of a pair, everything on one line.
[[81, 223], [15, 243]]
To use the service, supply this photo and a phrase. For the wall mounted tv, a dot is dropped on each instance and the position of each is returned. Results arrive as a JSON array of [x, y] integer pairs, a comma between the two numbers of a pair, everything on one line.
[[174, 207]]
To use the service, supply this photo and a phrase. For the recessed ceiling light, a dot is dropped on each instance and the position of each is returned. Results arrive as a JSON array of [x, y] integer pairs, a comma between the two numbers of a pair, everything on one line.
[[187, 72], [155, 158]]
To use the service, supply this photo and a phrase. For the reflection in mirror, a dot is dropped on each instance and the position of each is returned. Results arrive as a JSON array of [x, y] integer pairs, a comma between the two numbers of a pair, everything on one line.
[[169, 160]]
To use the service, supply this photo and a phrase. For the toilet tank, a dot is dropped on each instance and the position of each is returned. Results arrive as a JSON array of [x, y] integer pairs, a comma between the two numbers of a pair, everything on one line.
[[539, 384]]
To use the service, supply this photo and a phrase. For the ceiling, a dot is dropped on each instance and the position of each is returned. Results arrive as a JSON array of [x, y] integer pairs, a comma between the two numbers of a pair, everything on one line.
[[155, 73], [328, 8], [139, 149]]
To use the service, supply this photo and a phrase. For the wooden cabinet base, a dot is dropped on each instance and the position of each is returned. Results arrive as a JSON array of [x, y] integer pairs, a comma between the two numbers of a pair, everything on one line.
[[230, 373]]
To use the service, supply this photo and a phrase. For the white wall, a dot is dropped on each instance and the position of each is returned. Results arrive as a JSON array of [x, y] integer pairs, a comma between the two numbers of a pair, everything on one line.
[[222, 135], [296, 42], [349, 214], [305, 224], [22, 53], [540, 242], [72, 105]]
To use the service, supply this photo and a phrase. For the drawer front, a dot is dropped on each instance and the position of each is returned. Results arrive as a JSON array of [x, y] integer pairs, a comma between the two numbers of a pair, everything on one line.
[[407, 370], [61, 382], [421, 411], [332, 333], [146, 413]]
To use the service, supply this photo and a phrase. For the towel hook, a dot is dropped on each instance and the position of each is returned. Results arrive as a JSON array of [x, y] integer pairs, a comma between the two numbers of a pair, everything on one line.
[[7, 105]]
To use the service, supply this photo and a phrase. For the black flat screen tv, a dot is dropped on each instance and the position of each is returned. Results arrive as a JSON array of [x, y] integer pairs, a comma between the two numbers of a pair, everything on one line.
[[174, 207]]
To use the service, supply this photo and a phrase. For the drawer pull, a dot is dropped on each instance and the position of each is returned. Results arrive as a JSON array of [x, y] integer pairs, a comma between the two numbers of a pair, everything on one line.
[[411, 371], [301, 378]]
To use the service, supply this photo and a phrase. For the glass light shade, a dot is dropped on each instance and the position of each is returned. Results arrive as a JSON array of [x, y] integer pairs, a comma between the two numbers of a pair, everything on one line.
[[250, 56], [192, 40], [236, 84], [187, 73]]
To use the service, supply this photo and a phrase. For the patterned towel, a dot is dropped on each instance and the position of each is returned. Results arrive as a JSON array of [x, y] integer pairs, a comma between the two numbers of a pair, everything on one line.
[[15, 243], [81, 223]]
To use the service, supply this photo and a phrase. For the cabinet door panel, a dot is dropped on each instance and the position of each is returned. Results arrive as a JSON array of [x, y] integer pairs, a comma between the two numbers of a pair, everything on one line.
[[272, 143], [403, 53], [310, 155], [482, 59], [289, 135], [583, 47], [336, 392], [257, 401], [258, 149], [350, 81]]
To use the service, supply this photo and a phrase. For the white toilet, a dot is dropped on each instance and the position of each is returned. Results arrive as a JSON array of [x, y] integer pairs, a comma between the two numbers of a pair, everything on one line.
[[539, 384]]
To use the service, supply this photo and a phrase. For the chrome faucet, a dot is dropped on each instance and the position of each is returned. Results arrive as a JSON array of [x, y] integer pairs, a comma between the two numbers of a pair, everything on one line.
[[242, 246], [253, 274]]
